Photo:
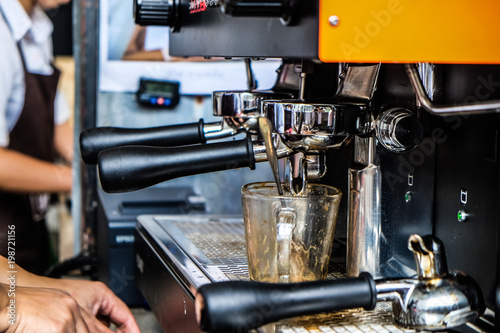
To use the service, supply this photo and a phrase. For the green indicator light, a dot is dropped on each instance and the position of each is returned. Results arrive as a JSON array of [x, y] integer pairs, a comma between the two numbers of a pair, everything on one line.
[[408, 196], [462, 215]]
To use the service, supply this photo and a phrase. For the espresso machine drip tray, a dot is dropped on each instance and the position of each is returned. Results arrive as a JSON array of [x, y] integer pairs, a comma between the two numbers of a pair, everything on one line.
[[176, 254]]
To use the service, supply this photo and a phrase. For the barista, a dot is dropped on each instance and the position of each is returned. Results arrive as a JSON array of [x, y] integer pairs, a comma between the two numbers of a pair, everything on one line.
[[34, 129]]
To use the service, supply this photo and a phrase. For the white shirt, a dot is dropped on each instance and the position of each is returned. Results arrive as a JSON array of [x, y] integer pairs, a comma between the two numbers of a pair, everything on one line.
[[34, 35]]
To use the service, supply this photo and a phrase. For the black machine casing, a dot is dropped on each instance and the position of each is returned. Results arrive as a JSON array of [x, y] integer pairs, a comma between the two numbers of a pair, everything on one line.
[[455, 168], [213, 34]]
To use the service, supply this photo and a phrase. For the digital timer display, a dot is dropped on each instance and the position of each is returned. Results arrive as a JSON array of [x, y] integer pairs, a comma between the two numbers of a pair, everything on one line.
[[159, 88]]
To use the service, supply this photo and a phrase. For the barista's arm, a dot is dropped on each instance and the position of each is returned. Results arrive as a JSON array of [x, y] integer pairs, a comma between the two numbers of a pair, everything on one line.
[[22, 173], [153, 55], [63, 141]]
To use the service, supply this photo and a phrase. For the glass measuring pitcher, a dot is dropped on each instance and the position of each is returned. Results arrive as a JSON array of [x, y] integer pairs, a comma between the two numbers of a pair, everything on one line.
[[289, 237]]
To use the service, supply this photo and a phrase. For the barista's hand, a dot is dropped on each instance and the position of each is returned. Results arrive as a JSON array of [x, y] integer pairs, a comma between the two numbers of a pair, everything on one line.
[[86, 303], [98, 301], [39, 309]]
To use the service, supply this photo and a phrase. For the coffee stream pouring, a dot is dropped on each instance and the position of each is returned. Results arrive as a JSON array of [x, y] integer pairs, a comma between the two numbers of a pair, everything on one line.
[[435, 300]]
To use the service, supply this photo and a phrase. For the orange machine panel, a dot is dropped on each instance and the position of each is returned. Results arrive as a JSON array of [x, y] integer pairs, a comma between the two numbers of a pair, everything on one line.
[[437, 31]]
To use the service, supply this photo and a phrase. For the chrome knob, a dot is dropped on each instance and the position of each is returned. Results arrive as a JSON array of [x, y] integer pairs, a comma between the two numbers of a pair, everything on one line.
[[399, 130], [156, 12]]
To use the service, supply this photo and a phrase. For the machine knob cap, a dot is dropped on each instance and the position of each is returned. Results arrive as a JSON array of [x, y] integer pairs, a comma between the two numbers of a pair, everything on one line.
[[399, 130], [155, 12]]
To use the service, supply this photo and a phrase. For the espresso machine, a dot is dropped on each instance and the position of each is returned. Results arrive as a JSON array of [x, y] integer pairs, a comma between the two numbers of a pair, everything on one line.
[[369, 98]]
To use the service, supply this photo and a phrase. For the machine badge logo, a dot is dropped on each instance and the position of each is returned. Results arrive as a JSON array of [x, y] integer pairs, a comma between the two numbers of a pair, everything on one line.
[[196, 6]]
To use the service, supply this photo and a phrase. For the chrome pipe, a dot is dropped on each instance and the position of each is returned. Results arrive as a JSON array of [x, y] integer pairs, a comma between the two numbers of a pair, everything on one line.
[[446, 110]]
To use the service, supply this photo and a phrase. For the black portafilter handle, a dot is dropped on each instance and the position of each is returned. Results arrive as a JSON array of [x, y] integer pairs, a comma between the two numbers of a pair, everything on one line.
[[131, 168], [238, 306], [95, 140]]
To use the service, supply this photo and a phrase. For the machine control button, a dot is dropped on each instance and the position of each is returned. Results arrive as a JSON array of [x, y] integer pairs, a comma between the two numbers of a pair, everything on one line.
[[462, 215]]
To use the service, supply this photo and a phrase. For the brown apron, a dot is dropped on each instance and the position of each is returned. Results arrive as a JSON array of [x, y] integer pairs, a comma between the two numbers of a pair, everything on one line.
[[32, 135]]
